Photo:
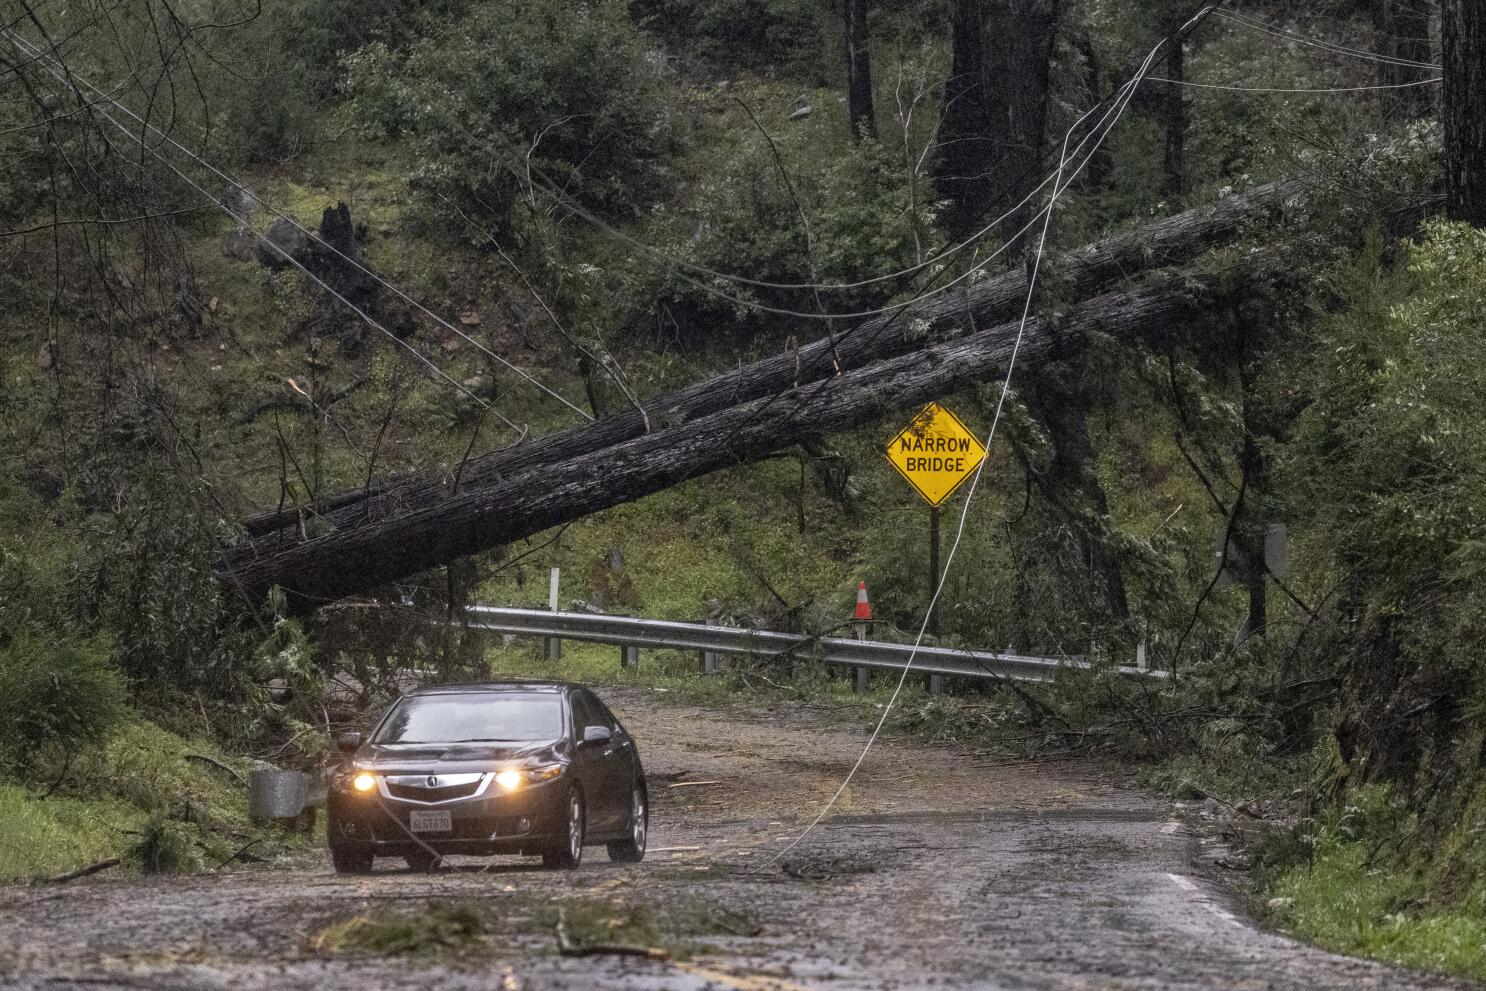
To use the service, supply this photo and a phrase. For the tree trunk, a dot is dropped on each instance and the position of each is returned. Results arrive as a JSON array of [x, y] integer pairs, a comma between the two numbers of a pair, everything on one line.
[[1174, 162], [1249, 534], [1088, 270], [995, 106], [860, 110], [360, 558], [1070, 483], [592, 387], [1403, 33], [1101, 162], [1464, 34], [963, 176]]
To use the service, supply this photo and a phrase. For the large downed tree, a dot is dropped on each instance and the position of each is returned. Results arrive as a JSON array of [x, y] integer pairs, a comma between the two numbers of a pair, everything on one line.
[[360, 558], [415, 523], [1172, 240]]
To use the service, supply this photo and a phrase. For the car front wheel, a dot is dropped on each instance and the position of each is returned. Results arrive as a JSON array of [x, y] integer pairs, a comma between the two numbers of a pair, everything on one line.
[[348, 860], [567, 853], [632, 850]]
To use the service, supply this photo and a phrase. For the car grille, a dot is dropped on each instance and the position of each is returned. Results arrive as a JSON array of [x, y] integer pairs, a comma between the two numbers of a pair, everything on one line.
[[448, 787]]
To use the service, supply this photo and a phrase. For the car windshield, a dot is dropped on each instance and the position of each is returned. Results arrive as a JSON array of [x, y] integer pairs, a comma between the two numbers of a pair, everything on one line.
[[503, 717]]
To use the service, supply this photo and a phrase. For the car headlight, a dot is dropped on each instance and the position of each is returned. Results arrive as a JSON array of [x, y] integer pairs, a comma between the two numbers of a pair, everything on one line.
[[364, 782], [513, 778]]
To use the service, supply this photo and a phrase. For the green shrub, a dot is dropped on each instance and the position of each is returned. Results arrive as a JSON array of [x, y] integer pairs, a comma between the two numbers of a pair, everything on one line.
[[56, 834], [147, 575], [1398, 385], [56, 692], [862, 221], [566, 87], [165, 847], [273, 107]]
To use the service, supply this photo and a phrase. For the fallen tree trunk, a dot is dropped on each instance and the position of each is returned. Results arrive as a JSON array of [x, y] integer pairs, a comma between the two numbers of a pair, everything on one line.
[[362, 557], [1083, 273]]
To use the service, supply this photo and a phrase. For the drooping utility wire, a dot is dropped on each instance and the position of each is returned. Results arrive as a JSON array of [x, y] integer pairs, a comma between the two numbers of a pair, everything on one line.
[[366, 317], [605, 360], [1058, 189], [1097, 134], [315, 237], [671, 261], [680, 267], [1276, 89], [975, 480], [543, 181], [1258, 25]]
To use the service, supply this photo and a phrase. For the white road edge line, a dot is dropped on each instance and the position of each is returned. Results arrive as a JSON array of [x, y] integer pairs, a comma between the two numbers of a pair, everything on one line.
[[1206, 901]]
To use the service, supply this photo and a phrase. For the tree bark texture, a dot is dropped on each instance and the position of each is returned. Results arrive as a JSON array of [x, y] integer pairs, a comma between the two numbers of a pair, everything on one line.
[[360, 558], [995, 106], [1464, 35], [1085, 271], [1101, 162], [860, 109]]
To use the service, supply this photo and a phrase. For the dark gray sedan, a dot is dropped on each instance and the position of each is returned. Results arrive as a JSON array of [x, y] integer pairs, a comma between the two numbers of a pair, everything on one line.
[[501, 768]]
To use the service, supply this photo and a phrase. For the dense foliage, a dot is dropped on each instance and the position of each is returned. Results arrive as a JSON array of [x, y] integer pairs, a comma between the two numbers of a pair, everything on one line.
[[563, 95], [616, 198]]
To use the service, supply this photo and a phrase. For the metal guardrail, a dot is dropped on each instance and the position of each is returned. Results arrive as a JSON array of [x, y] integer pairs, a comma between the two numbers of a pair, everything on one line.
[[632, 633]]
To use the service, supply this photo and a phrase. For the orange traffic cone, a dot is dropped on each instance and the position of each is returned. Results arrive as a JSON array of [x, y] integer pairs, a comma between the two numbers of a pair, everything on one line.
[[862, 626]]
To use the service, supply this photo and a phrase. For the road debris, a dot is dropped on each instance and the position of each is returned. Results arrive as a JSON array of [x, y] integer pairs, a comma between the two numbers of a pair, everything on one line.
[[568, 948], [101, 865]]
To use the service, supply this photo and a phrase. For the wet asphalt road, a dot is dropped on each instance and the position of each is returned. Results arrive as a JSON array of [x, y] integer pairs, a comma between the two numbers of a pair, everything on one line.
[[942, 870]]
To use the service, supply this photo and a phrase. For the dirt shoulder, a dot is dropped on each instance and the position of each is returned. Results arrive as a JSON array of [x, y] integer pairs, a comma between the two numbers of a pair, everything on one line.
[[939, 868]]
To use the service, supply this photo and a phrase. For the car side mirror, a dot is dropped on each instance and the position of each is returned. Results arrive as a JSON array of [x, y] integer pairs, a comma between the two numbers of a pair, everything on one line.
[[348, 743], [594, 736]]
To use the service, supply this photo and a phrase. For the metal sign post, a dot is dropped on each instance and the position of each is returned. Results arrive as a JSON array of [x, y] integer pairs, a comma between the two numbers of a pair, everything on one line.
[[935, 454], [936, 682]]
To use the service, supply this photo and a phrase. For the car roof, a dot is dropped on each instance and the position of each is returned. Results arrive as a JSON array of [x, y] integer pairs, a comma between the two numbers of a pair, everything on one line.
[[485, 687]]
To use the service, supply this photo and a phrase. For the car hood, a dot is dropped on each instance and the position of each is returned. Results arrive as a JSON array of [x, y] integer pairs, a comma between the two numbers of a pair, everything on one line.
[[448, 758]]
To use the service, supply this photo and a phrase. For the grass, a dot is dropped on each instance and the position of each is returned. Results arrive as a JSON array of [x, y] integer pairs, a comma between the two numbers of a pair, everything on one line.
[[49, 837], [1344, 903], [683, 552], [139, 798], [1369, 887]]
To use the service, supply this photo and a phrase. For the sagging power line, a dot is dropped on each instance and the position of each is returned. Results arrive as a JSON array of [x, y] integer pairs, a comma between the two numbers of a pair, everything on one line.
[[65, 75], [1129, 93]]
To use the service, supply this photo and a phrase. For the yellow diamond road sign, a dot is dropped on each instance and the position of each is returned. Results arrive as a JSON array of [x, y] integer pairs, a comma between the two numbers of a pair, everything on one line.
[[936, 453]]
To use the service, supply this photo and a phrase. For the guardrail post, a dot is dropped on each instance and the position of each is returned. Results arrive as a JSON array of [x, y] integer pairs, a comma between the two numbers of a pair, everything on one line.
[[862, 676], [554, 645], [629, 657], [936, 684], [709, 657]]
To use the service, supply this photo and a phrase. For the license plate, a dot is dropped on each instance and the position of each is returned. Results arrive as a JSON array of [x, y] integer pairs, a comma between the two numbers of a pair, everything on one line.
[[430, 822]]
